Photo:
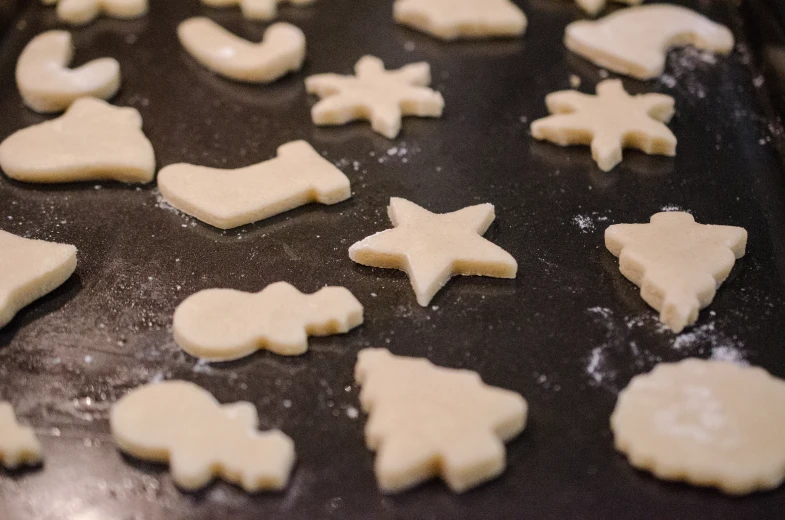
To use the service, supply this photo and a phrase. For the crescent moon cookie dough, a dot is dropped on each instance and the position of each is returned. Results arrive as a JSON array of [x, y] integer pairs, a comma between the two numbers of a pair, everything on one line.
[[230, 198], [375, 94], [257, 9], [224, 324], [18, 444], [93, 140], [707, 423], [180, 423], [426, 421], [456, 19], [30, 269], [45, 82], [677, 263], [635, 41], [431, 247], [281, 51], [80, 12], [608, 122]]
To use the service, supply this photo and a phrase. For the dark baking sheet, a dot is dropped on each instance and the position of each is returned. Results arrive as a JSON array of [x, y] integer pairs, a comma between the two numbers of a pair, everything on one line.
[[568, 333]]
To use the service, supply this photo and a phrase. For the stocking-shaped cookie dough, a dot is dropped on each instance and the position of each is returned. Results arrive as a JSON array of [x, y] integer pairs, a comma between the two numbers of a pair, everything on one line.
[[677, 263], [18, 444], [224, 324], [29, 269], [377, 95], [78, 12], [426, 421], [256, 9], [453, 19]]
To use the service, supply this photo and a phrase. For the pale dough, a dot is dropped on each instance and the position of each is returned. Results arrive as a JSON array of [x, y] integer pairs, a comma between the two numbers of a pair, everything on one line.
[[635, 41], [230, 198], [375, 94], [593, 7], [432, 247], [183, 424], [29, 269], [708, 423], [48, 85], [256, 9], [18, 444], [426, 421], [78, 12], [610, 121], [677, 263], [224, 324], [281, 51], [93, 140], [454, 19]]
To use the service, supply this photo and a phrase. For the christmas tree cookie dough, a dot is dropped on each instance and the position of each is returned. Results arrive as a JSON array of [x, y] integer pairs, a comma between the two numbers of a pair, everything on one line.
[[256, 9], [79, 12], [18, 444], [454, 19]]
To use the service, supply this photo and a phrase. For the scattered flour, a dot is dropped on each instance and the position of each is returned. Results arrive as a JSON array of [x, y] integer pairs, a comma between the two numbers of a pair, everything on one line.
[[672, 207], [588, 223]]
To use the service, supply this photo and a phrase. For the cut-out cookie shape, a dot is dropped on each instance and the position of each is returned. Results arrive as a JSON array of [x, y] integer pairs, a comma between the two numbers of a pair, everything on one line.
[[281, 51], [431, 247], [375, 94], [183, 424], [93, 140], [257, 9], [453, 19], [427, 421], [707, 423], [224, 324], [677, 263], [80, 12], [592, 7], [48, 85], [635, 41], [610, 121], [230, 198], [18, 444], [30, 269]]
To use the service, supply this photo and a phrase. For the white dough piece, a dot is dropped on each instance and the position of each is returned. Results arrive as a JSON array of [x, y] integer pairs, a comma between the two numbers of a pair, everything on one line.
[[48, 85], [593, 7], [183, 424], [426, 421], [635, 41], [80, 12], [707, 423], [677, 263], [224, 324], [375, 94], [257, 9], [281, 51], [454, 19], [230, 198], [93, 140], [431, 248], [610, 121], [18, 444], [29, 269]]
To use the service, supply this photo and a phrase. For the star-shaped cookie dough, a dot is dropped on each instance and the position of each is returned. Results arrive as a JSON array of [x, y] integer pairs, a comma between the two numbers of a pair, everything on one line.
[[609, 121], [432, 247], [454, 19]]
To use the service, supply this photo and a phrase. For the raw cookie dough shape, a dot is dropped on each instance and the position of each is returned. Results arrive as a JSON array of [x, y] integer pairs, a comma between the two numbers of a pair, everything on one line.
[[593, 7], [635, 41], [677, 263], [426, 421], [183, 424], [431, 247], [281, 51], [257, 9], [610, 121], [80, 12], [230, 198], [376, 95], [224, 324], [18, 444], [48, 85], [30, 269], [707, 423], [454, 19], [93, 140]]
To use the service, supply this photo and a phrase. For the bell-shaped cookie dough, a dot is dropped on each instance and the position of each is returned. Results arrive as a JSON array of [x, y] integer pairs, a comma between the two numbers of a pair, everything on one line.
[[80, 12], [18, 444], [454, 19], [257, 9]]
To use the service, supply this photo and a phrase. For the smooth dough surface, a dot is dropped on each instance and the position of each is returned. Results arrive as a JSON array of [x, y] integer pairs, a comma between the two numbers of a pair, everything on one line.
[[454, 19], [707, 423], [79, 12], [93, 140], [677, 263], [18, 444], [426, 421], [374, 94], [29, 269], [281, 51], [608, 122], [48, 85], [257, 9], [180, 423], [635, 41], [224, 324], [230, 198]]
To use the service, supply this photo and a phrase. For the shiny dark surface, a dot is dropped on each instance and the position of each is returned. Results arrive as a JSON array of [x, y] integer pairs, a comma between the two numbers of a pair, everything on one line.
[[67, 357]]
